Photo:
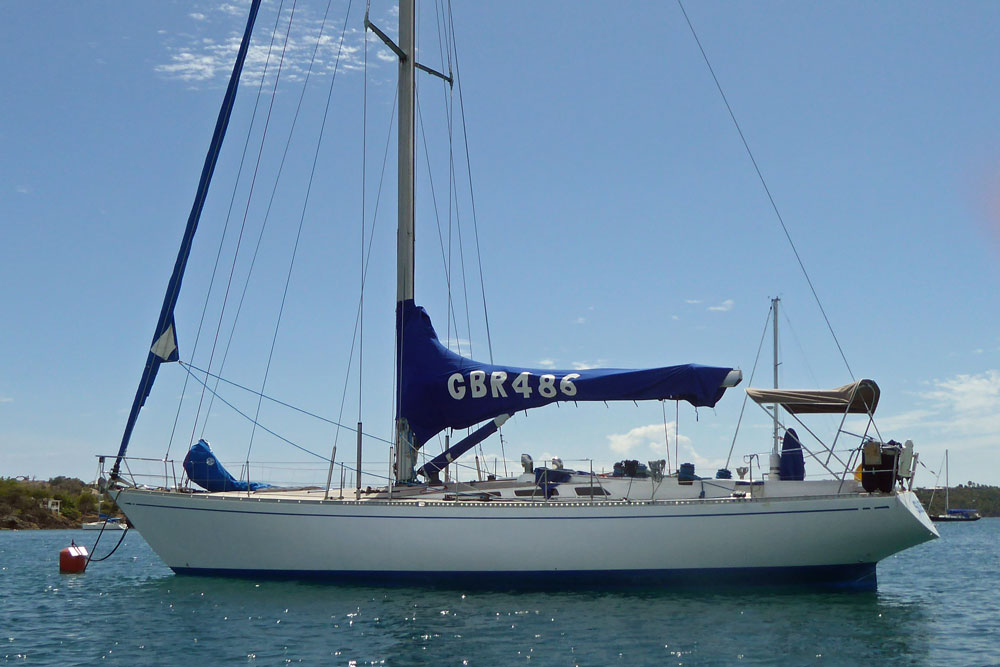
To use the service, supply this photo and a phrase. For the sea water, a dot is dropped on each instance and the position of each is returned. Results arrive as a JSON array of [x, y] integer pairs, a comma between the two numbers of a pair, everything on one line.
[[938, 603]]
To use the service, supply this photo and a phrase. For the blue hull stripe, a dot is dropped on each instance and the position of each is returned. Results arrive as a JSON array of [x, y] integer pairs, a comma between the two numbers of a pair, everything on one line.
[[856, 576], [500, 518]]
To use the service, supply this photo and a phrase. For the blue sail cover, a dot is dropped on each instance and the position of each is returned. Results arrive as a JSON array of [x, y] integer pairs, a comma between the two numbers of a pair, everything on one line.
[[440, 389], [207, 472]]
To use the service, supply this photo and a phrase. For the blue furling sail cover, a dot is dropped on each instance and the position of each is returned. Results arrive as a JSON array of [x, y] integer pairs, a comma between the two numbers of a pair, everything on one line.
[[792, 464], [439, 389], [205, 470]]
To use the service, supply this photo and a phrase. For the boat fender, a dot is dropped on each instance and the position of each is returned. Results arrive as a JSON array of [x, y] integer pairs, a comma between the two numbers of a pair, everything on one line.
[[905, 467], [73, 559]]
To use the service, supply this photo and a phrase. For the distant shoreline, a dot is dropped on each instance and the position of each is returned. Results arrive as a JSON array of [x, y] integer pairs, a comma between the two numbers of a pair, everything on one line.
[[984, 499], [59, 503]]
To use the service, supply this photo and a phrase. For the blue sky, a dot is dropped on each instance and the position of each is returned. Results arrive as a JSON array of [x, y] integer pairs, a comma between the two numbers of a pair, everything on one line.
[[620, 220]]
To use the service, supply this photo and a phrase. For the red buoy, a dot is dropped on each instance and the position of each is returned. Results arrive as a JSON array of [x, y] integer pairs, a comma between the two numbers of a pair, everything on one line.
[[73, 559]]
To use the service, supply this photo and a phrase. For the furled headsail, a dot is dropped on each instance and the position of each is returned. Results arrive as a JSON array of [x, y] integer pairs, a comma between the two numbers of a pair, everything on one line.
[[164, 345], [440, 389]]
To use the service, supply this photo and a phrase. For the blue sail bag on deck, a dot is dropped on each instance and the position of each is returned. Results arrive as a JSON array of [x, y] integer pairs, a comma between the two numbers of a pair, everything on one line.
[[204, 469]]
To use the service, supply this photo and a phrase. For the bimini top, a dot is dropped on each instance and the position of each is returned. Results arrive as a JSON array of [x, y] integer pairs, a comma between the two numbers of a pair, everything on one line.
[[857, 397]]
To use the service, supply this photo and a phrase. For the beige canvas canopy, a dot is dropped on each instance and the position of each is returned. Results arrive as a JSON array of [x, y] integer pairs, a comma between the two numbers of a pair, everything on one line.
[[857, 397]]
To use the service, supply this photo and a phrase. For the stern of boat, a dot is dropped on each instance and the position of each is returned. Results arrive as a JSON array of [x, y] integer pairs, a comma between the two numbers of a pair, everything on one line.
[[924, 526]]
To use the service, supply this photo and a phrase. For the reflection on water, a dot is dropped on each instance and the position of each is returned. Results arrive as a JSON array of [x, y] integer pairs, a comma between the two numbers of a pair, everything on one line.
[[934, 604]]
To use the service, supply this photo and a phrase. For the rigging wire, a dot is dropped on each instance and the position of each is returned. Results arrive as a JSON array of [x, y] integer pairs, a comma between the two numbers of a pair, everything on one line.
[[798, 344], [461, 249], [191, 369], [746, 396], [302, 215], [445, 255], [361, 246], [358, 322], [767, 190], [444, 52], [267, 213], [246, 211], [366, 258], [666, 433], [452, 41], [257, 424], [468, 164], [225, 229]]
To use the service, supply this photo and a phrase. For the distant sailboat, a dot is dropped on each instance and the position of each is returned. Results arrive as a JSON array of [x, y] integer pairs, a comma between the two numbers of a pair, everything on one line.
[[547, 526], [109, 523], [950, 514]]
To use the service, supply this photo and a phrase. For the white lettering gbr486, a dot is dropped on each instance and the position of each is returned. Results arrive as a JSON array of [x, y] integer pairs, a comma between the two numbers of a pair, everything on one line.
[[480, 384]]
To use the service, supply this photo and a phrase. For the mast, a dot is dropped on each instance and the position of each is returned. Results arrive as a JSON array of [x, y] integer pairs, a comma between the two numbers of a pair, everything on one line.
[[947, 483], [774, 327], [776, 441], [405, 452]]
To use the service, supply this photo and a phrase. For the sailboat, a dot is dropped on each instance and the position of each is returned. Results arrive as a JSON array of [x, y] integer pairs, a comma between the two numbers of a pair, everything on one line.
[[549, 525], [951, 514]]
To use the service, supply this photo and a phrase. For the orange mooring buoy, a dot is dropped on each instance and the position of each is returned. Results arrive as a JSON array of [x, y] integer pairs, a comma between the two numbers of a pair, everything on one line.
[[73, 559]]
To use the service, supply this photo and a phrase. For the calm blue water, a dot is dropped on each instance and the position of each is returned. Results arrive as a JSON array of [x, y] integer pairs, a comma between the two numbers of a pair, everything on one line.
[[937, 603]]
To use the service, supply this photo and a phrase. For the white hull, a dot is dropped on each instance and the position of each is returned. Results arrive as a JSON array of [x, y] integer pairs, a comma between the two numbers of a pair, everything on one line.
[[828, 539]]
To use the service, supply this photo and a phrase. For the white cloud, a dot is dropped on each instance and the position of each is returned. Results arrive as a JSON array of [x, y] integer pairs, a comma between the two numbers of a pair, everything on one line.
[[695, 301], [900, 423], [961, 413], [584, 365], [726, 305], [674, 317], [704, 467], [580, 320], [196, 58], [650, 437], [188, 66], [547, 363], [6, 399], [22, 189], [968, 395], [460, 346]]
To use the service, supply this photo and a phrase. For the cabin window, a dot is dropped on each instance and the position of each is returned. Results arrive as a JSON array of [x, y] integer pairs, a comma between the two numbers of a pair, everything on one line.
[[535, 492], [591, 491]]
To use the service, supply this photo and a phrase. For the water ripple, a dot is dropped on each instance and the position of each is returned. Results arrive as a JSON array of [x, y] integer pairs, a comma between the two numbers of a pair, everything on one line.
[[934, 605]]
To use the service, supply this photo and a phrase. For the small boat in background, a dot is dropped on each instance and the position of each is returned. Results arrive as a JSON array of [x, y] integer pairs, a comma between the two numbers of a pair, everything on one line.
[[949, 513], [957, 515], [111, 523]]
